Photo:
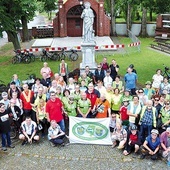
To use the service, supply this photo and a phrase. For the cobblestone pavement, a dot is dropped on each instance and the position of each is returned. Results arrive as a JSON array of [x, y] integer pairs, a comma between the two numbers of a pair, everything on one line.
[[42, 156]]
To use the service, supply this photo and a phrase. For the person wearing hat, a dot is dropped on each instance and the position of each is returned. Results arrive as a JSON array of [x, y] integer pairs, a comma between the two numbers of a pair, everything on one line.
[[165, 144], [124, 117], [126, 95], [133, 141], [148, 91], [151, 145], [5, 99]]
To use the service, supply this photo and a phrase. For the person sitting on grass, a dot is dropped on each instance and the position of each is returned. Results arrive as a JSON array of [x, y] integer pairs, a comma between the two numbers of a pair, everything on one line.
[[151, 145], [133, 141], [119, 136], [28, 131], [55, 134]]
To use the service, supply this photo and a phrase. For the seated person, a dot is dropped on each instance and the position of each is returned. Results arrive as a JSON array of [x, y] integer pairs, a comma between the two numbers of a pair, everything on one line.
[[151, 145], [165, 144], [133, 141], [28, 131], [119, 135], [55, 134]]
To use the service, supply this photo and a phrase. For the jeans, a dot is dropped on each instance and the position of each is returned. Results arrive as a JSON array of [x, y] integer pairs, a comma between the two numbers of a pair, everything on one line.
[[6, 137], [145, 130], [58, 140], [62, 125]]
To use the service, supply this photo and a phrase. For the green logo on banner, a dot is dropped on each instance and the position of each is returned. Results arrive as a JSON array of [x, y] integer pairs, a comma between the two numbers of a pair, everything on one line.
[[90, 130]]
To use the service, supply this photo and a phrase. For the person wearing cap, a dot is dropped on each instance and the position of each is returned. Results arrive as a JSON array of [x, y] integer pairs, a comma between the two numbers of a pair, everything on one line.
[[147, 119], [13, 88], [130, 79], [165, 144], [148, 91], [107, 79], [124, 117], [126, 95], [151, 145], [5, 128], [133, 141], [5, 99]]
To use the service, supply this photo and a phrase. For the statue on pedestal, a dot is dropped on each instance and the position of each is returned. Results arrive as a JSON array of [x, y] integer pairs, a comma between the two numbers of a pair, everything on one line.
[[88, 20]]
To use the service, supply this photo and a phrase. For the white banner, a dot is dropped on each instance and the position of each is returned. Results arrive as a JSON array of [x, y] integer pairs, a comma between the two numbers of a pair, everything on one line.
[[89, 131]]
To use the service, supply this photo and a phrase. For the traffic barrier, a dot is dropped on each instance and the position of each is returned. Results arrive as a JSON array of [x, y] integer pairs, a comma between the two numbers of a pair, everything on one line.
[[134, 44], [78, 48]]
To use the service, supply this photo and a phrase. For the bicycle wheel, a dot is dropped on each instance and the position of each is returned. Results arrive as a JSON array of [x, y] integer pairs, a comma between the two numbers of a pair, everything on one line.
[[55, 57], [74, 56], [15, 60], [43, 58], [13, 132], [63, 56], [27, 59], [32, 56]]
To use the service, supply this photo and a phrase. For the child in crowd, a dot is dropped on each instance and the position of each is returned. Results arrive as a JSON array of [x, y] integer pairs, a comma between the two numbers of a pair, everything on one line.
[[148, 91], [112, 124]]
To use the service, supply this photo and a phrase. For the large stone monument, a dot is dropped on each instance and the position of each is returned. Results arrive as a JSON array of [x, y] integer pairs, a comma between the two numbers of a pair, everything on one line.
[[88, 44]]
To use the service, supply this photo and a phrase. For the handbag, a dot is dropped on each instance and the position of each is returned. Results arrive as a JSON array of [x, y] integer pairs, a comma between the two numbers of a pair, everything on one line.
[[94, 113]]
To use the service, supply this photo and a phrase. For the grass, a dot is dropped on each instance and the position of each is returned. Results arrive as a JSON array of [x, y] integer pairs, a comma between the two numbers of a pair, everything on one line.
[[146, 62]]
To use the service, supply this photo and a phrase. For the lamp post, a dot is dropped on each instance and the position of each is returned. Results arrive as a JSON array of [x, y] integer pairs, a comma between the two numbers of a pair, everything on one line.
[[81, 2]]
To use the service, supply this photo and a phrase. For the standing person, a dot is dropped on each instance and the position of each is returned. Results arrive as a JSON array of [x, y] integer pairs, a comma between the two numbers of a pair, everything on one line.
[[104, 65], [157, 80], [16, 80], [118, 84], [99, 74], [27, 98], [88, 20], [5, 128], [147, 119], [45, 69], [102, 107], [89, 73], [5, 99], [151, 145], [107, 79], [133, 69], [148, 91], [114, 67], [134, 109], [83, 106], [130, 79], [13, 88], [54, 110], [63, 70]]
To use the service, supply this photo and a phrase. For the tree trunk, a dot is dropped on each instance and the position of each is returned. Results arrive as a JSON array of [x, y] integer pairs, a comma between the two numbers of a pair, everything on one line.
[[143, 24], [129, 17], [150, 14], [25, 36], [13, 37], [113, 18]]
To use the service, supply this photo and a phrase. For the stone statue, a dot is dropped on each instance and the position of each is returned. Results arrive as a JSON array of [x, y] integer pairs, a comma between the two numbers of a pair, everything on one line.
[[88, 20]]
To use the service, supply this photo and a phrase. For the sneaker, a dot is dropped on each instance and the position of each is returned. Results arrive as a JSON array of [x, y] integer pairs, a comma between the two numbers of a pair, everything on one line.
[[134, 155], [63, 144], [11, 146], [52, 144], [142, 156], [4, 148]]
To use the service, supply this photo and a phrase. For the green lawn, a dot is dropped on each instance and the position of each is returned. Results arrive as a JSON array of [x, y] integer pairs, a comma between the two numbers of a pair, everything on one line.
[[146, 62]]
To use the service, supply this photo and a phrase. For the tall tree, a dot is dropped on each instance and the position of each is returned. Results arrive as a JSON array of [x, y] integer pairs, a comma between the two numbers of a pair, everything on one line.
[[113, 18]]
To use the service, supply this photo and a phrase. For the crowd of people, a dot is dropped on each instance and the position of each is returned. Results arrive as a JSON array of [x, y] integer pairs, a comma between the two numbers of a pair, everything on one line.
[[139, 118]]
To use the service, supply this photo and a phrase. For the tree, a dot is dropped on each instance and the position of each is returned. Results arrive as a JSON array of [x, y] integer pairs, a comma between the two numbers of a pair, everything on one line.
[[113, 18]]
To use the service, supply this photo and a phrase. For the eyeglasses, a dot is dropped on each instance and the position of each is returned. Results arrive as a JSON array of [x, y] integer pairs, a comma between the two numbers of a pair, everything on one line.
[[113, 116], [156, 99], [140, 92], [167, 103], [52, 95]]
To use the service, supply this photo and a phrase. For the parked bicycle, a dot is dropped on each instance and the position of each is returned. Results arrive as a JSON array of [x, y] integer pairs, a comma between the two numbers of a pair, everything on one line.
[[166, 72], [72, 56], [21, 56], [48, 56], [30, 80]]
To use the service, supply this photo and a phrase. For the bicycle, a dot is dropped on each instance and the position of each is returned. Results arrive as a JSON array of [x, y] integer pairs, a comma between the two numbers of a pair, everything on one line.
[[48, 55], [21, 56], [30, 80], [72, 56], [166, 72]]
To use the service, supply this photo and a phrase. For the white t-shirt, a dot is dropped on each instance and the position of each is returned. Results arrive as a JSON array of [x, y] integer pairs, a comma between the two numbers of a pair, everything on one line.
[[157, 79]]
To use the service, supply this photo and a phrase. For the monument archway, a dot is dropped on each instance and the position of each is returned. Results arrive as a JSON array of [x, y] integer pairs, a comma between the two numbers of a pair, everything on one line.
[[75, 23]]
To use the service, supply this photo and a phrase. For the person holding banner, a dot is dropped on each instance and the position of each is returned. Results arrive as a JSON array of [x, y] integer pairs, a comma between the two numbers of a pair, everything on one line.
[[102, 107], [83, 106]]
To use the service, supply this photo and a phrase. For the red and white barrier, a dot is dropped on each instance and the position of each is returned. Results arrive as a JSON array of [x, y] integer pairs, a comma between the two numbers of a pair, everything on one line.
[[134, 44]]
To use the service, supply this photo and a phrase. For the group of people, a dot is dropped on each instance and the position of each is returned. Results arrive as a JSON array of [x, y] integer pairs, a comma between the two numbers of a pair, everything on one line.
[[139, 118]]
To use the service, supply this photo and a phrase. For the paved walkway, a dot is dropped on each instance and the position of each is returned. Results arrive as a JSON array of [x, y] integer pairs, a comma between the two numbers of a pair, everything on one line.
[[43, 156]]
